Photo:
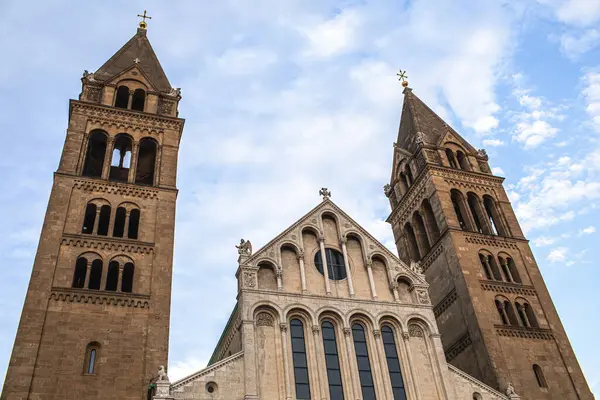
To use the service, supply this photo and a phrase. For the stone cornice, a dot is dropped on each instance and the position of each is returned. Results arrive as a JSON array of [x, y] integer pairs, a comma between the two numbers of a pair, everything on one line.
[[526, 333], [122, 189], [190, 378], [127, 118], [480, 384], [106, 243], [506, 287], [445, 303], [458, 346], [491, 240], [433, 254], [73, 295]]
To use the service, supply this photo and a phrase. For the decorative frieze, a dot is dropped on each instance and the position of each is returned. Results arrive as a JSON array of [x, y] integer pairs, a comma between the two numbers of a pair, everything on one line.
[[491, 241], [458, 347], [110, 188], [415, 331], [100, 297], [432, 256], [510, 288], [525, 333], [97, 244], [445, 303], [127, 117]]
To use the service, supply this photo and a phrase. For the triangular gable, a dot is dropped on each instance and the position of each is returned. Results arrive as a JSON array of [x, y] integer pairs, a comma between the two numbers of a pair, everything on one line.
[[453, 136], [146, 78], [138, 47], [399, 153], [371, 246]]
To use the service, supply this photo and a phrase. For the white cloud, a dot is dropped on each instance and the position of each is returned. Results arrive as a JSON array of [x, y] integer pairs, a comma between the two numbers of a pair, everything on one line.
[[578, 12], [493, 142], [591, 92], [244, 61], [576, 43], [558, 254], [182, 368], [334, 36], [498, 171], [543, 241], [534, 133], [588, 231]]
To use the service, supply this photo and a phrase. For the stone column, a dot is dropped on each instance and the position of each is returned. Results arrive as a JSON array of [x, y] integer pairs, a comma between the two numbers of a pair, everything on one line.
[[108, 157], [394, 288], [371, 280], [488, 268], [133, 162], [378, 367], [506, 269], [279, 274], [302, 271], [347, 265], [250, 376], [130, 99], [325, 269], [96, 221], [321, 378], [353, 367], [157, 164], [126, 227], [286, 366], [119, 282], [88, 272], [504, 314]]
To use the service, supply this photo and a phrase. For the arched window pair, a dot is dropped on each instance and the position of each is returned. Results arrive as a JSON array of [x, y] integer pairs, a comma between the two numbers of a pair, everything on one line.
[[126, 223], [524, 316], [126, 98], [477, 216], [507, 266], [122, 158], [332, 362], [458, 160], [422, 232], [405, 178], [89, 273]]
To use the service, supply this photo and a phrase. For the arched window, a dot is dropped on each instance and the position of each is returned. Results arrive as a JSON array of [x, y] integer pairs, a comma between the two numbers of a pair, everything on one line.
[[421, 233], [505, 269], [335, 264], [332, 362], [393, 363], [95, 275], [299, 360], [451, 159], [362, 360], [477, 396], [494, 266], [104, 220], [522, 316], [119, 227], [94, 158], [530, 315], [493, 216], [473, 202], [112, 276], [510, 313], [430, 221], [138, 99], [512, 267], [413, 247], [501, 312], [91, 358], [80, 273], [539, 376], [121, 159], [134, 224], [408, 174], [127, 280], [463, 161], [459, 208], [146, 161], [487, 268], [89, 219], [122, 100]]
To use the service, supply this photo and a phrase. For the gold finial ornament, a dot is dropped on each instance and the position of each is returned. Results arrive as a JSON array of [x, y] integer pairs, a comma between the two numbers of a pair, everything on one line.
[[403, 78], [143, 23]]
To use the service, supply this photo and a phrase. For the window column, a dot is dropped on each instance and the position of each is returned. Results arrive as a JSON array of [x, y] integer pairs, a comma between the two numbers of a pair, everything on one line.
[[486, 266], [133, 162], [286, 366], [347, 265], [96, 221], [506, 269], [302, 271], [88, 272], [371, 280], [325, 267], [120, 281], [108, 157], [351, 356]]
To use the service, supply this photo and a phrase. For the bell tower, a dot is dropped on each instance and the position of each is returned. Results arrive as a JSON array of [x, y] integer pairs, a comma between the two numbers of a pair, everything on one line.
[[453, 217], [95, 323]]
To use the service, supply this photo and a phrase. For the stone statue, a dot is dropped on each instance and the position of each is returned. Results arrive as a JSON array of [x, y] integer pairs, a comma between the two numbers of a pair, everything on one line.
[[420, 139], [387, 189], [510, 390], [162, 374], [245, 247], [88, 75], [482, 153], [175, 92], [416, 266]]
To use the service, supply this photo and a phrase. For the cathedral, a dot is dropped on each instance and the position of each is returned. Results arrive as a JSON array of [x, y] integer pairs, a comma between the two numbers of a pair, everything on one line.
[[324, 311]]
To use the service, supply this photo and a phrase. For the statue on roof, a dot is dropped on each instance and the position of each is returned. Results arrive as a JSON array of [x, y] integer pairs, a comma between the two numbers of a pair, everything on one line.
[[245, 248]]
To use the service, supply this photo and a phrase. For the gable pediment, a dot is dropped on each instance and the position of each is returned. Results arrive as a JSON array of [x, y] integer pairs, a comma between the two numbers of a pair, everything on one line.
[[133, 73], [454, 137]]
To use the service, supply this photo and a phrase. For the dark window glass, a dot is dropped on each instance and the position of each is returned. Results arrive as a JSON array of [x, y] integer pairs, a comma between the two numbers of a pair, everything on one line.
[[335, 264], [134, 224], [332, 362], [127, 280], [122, 100], [90, 218], [80, 273], [92, 361], [112, 276], [299, 360], [96, 151], [119, 227], [138, 100], [539, 375], [362, 360], [391, 356], [95, 275], [104, 220], [146, 162]]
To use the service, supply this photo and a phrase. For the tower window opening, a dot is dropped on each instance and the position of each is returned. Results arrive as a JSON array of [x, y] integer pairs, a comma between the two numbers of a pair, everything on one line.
[[127, 280], [493, 216], [522, 317], [459, 209], [94, 158], [104, 220], [120, 216], [89, 219], [146, 162], [80, 273], [463, 161], [91, 358], [451, 159], [122, 100], [95, 275], [473, 202], [112, 277], [138, 99], [121, 159], [411, 239], [533, 322], [134, 224], [539, 376]]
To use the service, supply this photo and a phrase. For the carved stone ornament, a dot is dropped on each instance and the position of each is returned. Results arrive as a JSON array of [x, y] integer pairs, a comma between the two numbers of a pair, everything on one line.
[[249, 279], [415, 331], [283, 327], [165, 106], [394, 286], [416, 267], [88, 75], [376, 333], [420, 138], [264, 319], [244, 248], [175, 92], [93, 93], [387, 190], [405, 335], [347, 331], [279, 273], [325, 193], [423, 296], [482, 153], [315, 329], [163, 389], [162, 374]]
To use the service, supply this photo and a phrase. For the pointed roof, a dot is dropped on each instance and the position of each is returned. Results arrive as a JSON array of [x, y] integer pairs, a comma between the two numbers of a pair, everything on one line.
[[138, 47], [418, 117]]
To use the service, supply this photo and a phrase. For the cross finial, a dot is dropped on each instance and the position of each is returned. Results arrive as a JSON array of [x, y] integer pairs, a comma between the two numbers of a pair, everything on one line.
[[143, 23], [136, 60], [402, 77], [325, 193]]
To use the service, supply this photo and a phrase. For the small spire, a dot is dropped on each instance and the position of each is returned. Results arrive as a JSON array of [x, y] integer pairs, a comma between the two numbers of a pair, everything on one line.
[[143, 24]]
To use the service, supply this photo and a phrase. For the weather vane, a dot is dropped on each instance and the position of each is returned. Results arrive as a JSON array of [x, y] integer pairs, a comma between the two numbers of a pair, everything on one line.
[[403, 78], [143, 23]]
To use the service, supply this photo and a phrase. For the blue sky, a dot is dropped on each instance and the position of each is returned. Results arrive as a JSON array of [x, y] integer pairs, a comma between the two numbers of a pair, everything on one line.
[[284, 97]]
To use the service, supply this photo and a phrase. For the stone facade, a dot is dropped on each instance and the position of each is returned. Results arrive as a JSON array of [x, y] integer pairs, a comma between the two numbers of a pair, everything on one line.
[[495, 315], [95, 323]]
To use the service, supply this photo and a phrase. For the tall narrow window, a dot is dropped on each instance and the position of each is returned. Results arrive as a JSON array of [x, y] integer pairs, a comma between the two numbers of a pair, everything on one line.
[[409, 175], [332, 362], [510, 312], [134, 224], [421, 233], [451, 160], [89, 219], [512, 267], [119, 227], [393, 363], [463, 161], [530, 315], [96, 151], [430, 221], [457, 202], [501, 312], [539, 376], [127, 280], [122, 100], [299, 360], [138, 99], [362, 360], [104, 220], [95, 275], [474, 207], [121, 159], [91, 358], [146, 161], [112, 276], [413, 247], [80, 272], [493, 215]]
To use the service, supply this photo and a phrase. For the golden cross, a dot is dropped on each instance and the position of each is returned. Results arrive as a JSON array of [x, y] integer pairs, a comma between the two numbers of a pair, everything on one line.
[[402, 77], [143, 24]]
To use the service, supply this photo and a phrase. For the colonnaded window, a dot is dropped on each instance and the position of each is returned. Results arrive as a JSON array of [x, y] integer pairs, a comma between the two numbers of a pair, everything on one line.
[[299, 360], [362, 359], [332, 362], [393, 363]]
